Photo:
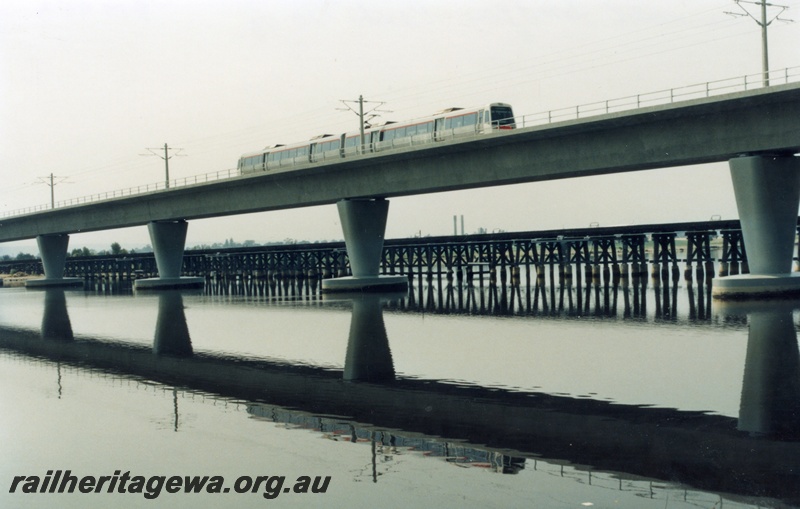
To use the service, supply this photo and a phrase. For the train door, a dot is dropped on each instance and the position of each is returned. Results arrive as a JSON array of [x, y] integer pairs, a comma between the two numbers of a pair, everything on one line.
[[372, 139], [480, 124], [438, 129]]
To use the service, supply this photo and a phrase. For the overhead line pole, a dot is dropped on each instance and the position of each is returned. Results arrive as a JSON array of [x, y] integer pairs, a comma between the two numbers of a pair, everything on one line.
[[166, 157], [764, 43], [361, 116], [363, 120], [50, 181]]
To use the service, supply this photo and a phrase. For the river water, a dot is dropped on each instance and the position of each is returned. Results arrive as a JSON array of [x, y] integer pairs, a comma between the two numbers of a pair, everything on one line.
[[444, 397]]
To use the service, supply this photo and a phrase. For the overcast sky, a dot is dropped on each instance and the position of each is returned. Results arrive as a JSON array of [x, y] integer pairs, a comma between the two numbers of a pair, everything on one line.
[[86, 86]]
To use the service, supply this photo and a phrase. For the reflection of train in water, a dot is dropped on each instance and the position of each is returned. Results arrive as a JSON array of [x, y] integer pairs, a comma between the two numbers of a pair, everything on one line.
[[390, 443], [447, 124]]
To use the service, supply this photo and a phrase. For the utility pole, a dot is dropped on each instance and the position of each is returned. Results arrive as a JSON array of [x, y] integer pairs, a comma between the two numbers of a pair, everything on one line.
[[51, 181], [364, 122], [763, 23], [166, 157]]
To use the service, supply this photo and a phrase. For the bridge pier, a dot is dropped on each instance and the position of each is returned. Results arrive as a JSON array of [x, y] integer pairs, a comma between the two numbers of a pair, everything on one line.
[[767, 190], [364, 225], [168, 239], [53, 250]]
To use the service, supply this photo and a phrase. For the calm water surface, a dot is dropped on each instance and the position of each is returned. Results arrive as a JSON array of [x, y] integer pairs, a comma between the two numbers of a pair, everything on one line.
[[464, 399]]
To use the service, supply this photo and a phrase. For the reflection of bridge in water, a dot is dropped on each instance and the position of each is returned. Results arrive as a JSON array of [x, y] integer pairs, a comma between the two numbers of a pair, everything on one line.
[[628, 297], [705, 451]]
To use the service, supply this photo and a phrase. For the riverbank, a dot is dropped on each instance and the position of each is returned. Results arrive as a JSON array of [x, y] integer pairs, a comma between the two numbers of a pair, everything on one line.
[[17, 279]]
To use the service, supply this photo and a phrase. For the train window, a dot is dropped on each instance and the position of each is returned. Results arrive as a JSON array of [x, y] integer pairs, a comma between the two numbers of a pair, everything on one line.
[[389, 134], [470, 119], [457, 122], [425, 128], [502, 116]]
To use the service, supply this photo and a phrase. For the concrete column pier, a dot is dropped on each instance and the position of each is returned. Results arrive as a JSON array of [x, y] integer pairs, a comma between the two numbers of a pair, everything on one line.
[[364, 225], [168, 239], [53, 250], [767, 190]]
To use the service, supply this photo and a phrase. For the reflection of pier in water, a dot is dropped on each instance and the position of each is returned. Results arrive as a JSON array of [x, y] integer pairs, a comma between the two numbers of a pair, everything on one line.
[[770, 404], [681, 446]]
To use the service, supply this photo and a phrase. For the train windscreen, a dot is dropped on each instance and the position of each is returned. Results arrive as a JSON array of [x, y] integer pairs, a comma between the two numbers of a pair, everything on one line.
[[502, 117]]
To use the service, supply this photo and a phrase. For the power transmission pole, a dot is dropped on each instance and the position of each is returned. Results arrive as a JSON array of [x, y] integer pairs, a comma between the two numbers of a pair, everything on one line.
[[166, 157], [51, 181], [363, 121], [763, 23]]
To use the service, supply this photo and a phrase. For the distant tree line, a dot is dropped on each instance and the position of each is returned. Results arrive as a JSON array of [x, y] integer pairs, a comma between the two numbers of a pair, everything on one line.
[[117, 250], [20, 257], [230, 244]]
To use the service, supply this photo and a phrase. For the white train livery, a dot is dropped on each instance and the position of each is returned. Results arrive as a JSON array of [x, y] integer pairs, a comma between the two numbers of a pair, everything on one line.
[[446, 124]]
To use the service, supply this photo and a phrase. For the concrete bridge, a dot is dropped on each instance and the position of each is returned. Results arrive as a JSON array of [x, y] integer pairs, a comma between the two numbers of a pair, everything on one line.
[[757, 131]]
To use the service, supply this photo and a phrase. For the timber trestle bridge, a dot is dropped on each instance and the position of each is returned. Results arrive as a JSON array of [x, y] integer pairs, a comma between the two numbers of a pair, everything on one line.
[[516, 259]]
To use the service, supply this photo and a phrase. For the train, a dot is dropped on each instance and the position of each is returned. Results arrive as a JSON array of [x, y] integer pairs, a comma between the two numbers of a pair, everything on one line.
[[446, 124]]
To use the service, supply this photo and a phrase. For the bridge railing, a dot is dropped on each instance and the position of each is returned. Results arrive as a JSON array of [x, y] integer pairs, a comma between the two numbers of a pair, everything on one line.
[[581, 111], [130, 191], [661, 97]]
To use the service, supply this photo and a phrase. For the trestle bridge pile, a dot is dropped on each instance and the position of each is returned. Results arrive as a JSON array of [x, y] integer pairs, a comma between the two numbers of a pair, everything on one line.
[[516, 259]]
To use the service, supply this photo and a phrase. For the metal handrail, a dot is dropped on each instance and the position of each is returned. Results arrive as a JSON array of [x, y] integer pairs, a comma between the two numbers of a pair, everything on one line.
[[581, 111]]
